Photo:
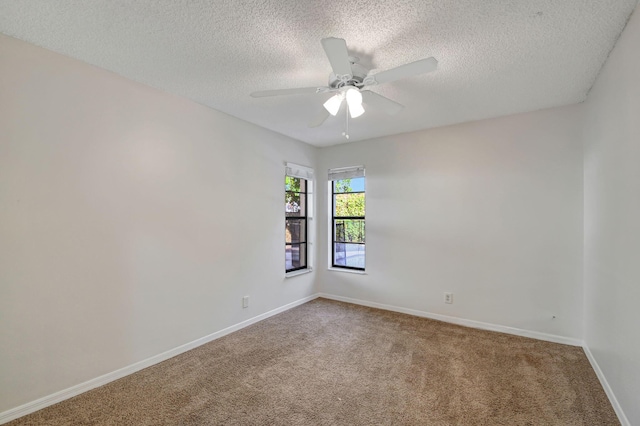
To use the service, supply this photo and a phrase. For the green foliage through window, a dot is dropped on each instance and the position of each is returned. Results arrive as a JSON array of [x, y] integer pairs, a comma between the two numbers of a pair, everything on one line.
[[349, 204]]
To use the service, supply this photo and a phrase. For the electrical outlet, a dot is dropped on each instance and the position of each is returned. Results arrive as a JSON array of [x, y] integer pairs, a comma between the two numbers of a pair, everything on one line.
[[448, 298], [245, 302]]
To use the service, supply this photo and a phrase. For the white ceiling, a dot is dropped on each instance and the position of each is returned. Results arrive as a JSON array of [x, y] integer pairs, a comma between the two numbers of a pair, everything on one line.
[[496, 57]]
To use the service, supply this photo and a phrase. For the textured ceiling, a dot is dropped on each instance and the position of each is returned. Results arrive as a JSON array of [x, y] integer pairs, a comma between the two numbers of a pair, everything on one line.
[[496, 57]]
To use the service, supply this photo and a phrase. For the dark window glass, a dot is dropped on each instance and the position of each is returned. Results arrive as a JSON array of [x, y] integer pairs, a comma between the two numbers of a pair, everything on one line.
[[295, 230], [295, 208], [348, 223], [295, 256]]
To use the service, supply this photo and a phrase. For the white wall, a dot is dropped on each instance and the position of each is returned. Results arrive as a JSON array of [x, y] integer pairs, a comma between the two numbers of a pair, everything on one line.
[[131, 222], [490, 210], [612, 225]]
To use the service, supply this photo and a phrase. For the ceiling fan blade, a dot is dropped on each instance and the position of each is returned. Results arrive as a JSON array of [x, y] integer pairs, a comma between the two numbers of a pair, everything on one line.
[[336, 50], [279, 92], [408, 70], [319, 118], [379, 101]]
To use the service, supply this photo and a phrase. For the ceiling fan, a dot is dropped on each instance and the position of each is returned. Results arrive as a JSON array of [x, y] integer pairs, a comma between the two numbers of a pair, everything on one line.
[[349, 81]]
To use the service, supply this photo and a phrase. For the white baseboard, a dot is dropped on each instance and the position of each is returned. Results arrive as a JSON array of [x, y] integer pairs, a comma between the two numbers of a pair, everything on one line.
[[59, 396], [607, 389], [503, 329], [64, 394], [460, 321]]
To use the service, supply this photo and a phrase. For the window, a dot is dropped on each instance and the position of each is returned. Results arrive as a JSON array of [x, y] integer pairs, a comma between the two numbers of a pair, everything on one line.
[[296, 208], [347, 222]]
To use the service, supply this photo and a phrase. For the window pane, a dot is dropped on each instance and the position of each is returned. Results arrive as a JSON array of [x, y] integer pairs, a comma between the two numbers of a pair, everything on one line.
[[351, 255], [349, 231], [349, 185], [294, 204], [295, 184], [295, 231], [349, 204], [295, 256]]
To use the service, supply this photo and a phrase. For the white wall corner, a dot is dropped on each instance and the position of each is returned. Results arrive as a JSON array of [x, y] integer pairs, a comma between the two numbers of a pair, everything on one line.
[[605, 385]]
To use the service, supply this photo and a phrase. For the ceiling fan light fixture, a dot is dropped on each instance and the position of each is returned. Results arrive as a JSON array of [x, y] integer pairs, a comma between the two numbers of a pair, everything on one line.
[[333, 104], [354, 100], [356, 111]]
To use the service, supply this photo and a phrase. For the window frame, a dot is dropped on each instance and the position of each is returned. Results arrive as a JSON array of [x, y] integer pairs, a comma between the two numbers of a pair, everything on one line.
[[305, 173], [334, 218], [304, 219]]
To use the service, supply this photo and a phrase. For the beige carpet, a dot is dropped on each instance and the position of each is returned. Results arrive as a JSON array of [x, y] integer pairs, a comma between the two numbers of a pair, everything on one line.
[[332, 363]]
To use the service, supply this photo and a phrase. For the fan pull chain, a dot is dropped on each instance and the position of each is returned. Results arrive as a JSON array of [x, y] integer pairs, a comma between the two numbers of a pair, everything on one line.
[[346, 122]]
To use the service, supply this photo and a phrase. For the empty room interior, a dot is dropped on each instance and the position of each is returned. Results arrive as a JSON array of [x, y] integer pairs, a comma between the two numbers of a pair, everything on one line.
[[264, 212]]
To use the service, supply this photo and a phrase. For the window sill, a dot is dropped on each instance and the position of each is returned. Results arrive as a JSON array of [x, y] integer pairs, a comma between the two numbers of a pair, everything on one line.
[[348, 271], [296, 273]]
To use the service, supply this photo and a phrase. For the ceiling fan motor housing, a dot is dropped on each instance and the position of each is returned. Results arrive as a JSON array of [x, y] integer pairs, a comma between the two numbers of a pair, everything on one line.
[[358, 71]]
